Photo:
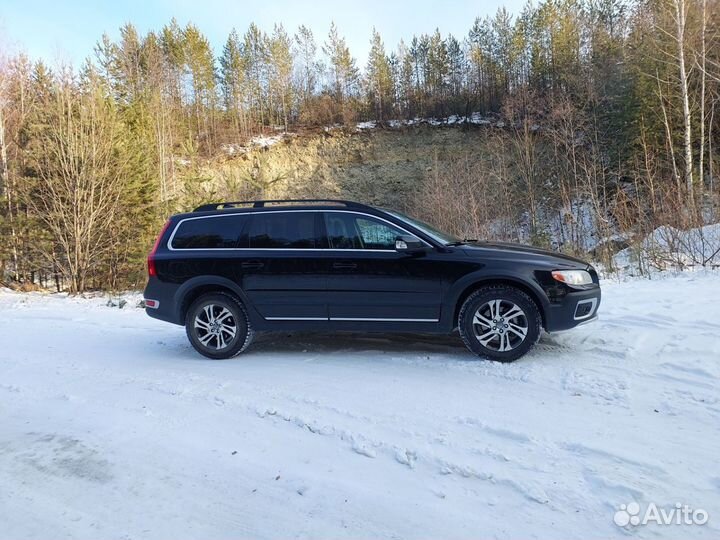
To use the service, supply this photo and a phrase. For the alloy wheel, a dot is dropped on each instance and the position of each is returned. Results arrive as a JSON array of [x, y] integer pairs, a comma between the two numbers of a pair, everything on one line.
[[500, 325], [215, 326]]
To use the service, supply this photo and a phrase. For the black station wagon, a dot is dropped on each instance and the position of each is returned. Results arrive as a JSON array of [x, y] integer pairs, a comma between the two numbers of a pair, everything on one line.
[[227, 270]]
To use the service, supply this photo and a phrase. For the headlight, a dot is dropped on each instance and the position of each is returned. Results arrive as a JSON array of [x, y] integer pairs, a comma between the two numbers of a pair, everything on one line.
[[572, 277]]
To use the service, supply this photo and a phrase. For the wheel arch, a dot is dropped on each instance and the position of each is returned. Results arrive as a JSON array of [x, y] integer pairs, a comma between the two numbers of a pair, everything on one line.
[[533, 291], [192, 289]]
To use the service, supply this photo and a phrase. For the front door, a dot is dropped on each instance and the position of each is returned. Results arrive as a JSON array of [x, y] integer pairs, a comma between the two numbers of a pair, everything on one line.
[[369, 281], [280, 270]]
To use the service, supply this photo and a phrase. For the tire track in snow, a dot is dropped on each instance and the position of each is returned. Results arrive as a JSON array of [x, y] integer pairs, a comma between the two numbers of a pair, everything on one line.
[[371, 448]]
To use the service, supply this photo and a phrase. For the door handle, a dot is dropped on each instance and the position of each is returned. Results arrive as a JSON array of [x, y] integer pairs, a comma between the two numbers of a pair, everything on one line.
[[344, 265], [251, 265]]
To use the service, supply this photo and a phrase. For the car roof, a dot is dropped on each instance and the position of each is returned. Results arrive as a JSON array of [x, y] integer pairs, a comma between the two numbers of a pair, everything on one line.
[[279, 205], [222, 209]]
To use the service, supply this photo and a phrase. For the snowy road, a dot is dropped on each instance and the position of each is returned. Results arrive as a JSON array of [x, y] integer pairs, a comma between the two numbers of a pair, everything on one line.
[[112, 427]]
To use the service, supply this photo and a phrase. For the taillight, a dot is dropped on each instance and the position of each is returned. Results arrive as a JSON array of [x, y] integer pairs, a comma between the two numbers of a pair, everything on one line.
[[152, 272]]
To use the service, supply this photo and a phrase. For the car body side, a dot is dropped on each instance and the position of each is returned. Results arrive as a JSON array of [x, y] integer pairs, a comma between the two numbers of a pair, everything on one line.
[[446, 273]]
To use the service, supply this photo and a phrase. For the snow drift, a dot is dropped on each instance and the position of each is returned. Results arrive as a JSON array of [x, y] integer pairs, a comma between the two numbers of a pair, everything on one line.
[[670, 248]]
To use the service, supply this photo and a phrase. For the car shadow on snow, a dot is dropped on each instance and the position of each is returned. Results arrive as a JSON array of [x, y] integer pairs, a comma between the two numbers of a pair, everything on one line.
[[334, 344], [349, 342], [400, 342]]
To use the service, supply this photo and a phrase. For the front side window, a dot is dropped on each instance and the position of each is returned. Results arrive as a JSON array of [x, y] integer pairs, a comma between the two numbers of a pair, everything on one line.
[[289, 230], [217, 232], [354, 231], [432, 232]]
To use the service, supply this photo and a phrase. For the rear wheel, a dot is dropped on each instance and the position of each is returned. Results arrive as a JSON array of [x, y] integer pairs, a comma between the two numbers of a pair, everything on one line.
[[217, 326], [501, 323]]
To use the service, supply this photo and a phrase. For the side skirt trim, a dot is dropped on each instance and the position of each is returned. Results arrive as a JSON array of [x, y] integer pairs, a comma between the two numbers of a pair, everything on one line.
[[381, 319], [296, 318], [358, 319]]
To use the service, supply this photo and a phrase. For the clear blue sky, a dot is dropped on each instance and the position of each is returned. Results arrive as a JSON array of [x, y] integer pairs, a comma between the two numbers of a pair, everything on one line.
[[68, 29]]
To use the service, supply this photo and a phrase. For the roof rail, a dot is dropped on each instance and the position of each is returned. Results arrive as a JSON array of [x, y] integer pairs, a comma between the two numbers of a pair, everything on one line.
[[261, 204]]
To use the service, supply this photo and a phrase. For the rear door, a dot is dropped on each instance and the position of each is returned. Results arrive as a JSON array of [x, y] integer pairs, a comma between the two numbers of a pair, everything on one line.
[[281, 271], [205, 246], [369, 281]]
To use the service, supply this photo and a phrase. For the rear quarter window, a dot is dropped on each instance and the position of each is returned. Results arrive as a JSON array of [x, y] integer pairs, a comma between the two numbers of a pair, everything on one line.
[[216, 232], [289, 230]]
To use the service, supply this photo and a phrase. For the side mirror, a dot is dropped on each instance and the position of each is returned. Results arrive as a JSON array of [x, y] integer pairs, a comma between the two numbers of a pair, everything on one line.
[[409, 244]]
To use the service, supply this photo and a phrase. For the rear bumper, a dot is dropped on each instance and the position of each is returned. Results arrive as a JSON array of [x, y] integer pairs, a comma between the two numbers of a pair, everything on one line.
[[576, 308], [164, 294]]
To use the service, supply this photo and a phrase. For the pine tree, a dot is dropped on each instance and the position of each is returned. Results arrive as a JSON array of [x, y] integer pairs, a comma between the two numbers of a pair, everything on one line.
[[419, 61], [309, 66], [438, 69], [379, 79], [172, 42], [344, 73], [129, 64], [457, 68], [281, 72], [404, 82], [200, 65], [232, 82], [255, 58], [502, 53]]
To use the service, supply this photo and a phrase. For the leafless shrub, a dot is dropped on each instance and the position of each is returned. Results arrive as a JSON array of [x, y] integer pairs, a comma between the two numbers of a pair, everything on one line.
[[471, 197]]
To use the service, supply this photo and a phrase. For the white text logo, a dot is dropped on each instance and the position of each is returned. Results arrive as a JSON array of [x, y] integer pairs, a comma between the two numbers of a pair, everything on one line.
[[631, 515]]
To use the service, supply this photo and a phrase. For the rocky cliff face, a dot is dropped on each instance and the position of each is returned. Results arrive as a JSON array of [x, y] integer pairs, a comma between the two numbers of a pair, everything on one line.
[[379, 166]]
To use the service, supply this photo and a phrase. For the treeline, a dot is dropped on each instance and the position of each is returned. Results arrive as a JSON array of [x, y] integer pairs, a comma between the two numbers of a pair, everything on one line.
[[610, 110]]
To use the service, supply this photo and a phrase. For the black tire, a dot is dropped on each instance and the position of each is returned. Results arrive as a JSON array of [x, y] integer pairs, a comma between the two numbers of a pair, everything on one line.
[[219, 343], [500, 334]]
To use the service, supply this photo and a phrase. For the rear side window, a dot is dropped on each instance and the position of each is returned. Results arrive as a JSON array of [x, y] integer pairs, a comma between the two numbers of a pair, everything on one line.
[[290, 230], [216, 232]]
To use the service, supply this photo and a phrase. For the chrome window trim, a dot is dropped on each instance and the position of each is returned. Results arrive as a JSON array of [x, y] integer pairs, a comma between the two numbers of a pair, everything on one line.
[[172, 236], [592, 301]]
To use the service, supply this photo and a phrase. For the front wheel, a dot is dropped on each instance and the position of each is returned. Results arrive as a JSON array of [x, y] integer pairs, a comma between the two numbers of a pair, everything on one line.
[[217, 326], [501, 323]]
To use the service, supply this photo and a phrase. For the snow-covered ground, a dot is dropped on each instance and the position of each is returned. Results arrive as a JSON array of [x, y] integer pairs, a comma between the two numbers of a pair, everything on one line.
[[266, 141], [111, 426], [474, 118], [670, 248]]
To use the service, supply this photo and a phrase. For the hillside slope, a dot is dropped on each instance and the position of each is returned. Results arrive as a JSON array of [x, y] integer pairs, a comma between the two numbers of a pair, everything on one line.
[[379, 166]]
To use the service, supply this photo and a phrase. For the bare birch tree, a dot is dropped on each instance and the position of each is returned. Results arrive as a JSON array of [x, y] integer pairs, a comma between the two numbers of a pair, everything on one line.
[[80, 179], [680, 18]]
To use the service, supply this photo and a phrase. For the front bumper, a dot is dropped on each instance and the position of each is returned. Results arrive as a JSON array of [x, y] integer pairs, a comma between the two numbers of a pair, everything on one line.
[[576, 308]]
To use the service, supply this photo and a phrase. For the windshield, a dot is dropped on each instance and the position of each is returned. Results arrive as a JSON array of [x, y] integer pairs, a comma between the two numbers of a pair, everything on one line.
[[432, 232]]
